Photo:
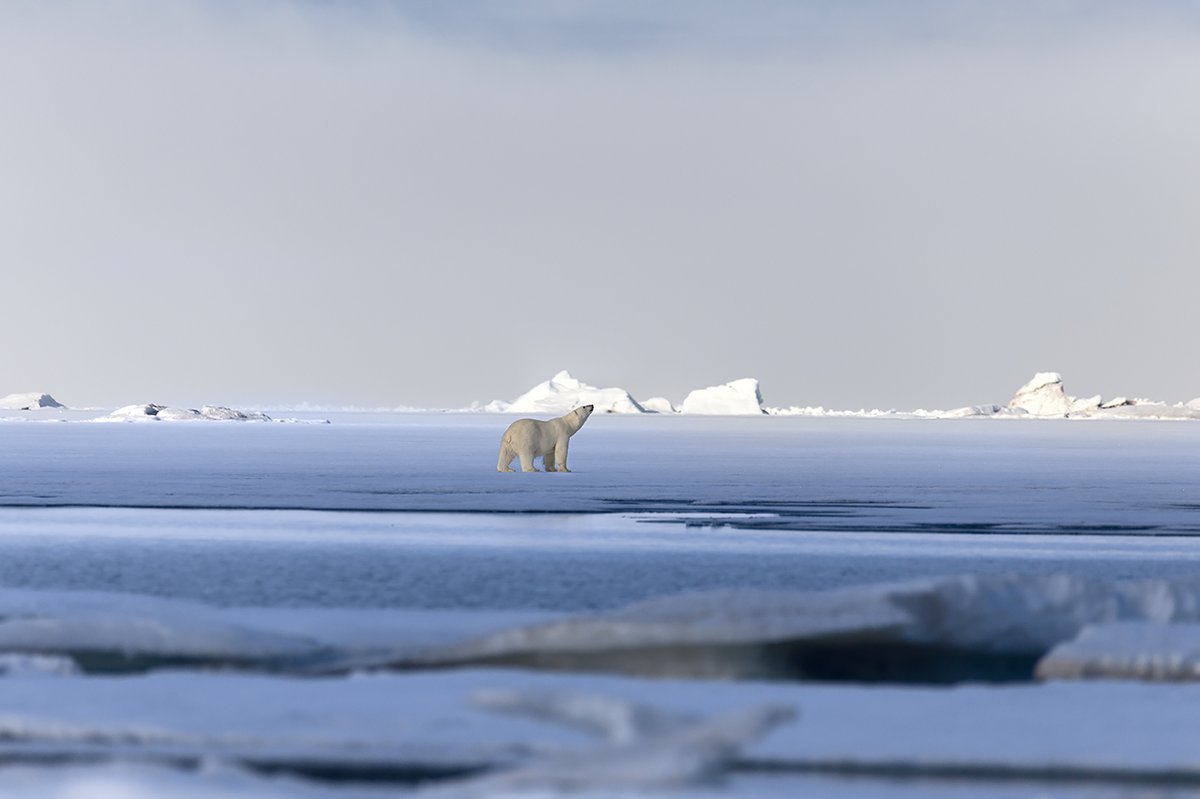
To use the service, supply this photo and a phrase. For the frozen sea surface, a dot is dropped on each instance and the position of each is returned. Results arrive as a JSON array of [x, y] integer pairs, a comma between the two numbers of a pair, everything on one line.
[[513, 561], [396, 527], [407, 510], [816, 474]]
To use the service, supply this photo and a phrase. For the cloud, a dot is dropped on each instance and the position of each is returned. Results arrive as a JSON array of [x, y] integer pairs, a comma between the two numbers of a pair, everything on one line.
[[396, 203]]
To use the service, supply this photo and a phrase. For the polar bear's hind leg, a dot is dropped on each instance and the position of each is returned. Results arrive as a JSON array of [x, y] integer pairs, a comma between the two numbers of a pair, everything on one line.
[[548, 460], [506, 457]]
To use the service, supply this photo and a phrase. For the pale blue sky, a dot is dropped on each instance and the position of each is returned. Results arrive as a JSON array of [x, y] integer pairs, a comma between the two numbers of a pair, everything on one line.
[[873, 204]]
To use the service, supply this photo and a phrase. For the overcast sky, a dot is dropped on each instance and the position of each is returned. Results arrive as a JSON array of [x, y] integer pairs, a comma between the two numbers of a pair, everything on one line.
[[867, 204]]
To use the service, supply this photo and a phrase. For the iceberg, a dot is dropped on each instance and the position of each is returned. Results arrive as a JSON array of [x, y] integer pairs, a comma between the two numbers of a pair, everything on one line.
[[563, 393], [28, 402], [736, 397], [1044, 396]]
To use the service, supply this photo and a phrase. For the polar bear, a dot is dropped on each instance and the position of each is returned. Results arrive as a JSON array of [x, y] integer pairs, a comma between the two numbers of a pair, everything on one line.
[[532, 438]]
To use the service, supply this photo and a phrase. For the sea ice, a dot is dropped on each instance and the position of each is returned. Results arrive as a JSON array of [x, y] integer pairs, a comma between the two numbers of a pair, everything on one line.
[[647, 749], [736, 632], [425, 723], [1126, 651], [117, 629], [128, 632]]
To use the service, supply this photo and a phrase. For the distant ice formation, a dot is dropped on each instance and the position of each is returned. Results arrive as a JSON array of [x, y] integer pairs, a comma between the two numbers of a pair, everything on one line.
[[737, 397], [563, 393], [152, 412], [28, 402], [1044, 396]]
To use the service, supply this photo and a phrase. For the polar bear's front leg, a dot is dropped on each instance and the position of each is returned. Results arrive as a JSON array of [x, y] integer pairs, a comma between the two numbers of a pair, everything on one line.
[[560, 454], [548, 461]]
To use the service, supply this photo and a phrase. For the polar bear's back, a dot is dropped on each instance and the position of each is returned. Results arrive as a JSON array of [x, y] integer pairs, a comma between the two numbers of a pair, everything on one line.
[[533, 433]]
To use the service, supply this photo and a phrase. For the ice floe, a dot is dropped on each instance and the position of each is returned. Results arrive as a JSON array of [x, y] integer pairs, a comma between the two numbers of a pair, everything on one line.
[[125, 632], [944, 630], [1126, 650], [738, 397], [113, 631], [986, 627]]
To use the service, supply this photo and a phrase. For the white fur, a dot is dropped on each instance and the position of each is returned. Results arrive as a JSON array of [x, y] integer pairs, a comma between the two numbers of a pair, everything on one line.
[[532, 438]]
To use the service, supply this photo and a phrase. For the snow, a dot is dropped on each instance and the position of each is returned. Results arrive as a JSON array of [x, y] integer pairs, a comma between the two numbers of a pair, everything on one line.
[[30, 401], [1126, 650], [737, 397], [563, 393]]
